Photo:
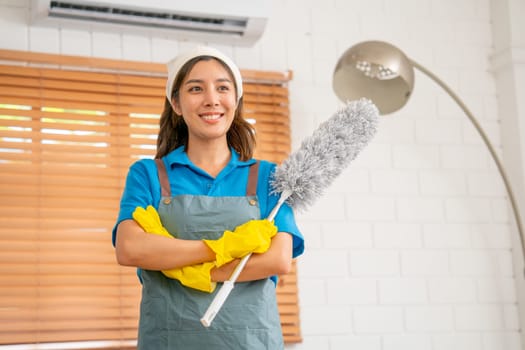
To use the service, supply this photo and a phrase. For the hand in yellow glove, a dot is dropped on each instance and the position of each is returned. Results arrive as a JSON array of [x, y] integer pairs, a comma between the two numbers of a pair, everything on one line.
[[254, 236], [195, 276], [149, 220]]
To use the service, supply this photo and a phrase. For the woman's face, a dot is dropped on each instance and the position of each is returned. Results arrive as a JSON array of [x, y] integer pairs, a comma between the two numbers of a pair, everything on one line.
[[207, 101]]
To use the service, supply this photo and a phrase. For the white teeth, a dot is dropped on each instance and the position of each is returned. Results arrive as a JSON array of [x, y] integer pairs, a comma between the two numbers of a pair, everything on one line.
[[211, 117]]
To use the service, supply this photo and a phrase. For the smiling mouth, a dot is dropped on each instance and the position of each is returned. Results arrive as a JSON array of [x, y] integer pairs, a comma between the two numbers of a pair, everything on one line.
[[211, 116]]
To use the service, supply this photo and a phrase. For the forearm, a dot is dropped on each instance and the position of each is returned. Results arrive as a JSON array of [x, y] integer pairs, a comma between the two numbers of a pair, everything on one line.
[[276, 261], [134, 247]]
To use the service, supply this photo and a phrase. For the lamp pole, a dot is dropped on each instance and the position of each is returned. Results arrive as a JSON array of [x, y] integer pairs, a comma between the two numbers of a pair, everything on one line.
[[487, 142], [383, 73]]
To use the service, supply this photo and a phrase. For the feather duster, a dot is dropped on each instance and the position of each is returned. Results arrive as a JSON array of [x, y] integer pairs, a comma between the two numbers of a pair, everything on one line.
[[306, 173]]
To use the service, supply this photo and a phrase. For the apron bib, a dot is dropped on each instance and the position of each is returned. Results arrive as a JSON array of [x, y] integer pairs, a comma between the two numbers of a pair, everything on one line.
[[170, 313]]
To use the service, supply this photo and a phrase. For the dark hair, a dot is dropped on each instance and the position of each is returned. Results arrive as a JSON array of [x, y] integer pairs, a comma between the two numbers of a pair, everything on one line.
[[173, 130]]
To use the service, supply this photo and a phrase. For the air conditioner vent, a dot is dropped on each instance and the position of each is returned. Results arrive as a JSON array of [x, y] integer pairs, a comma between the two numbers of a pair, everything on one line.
[[68, 10], [234, 22]]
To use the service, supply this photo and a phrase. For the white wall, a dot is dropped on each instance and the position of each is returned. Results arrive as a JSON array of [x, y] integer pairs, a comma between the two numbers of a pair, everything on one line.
[[411, 247]]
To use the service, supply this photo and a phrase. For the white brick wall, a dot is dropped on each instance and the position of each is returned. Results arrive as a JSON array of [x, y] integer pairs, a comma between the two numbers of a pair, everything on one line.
[[410, 248]]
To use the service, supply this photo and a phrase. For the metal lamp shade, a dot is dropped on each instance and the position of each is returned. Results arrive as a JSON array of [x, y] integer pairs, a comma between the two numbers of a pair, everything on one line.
[[375, 70]]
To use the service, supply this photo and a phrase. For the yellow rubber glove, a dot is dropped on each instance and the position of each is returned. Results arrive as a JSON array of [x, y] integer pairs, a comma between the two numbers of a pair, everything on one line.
[[195, 276], [149, 220], [254, 236]]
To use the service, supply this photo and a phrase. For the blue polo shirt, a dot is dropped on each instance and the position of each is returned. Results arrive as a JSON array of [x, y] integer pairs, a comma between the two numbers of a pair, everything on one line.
[[143, 188]]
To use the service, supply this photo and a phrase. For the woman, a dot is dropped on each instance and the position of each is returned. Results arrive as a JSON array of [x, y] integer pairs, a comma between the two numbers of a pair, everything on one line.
[[204, 183]]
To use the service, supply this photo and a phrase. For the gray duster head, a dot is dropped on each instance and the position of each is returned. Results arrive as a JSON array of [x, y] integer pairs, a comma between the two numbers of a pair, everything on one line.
[[307, 172]]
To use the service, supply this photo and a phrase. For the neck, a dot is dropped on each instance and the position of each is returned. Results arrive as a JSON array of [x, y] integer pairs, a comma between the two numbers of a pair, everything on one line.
[[211, 158]]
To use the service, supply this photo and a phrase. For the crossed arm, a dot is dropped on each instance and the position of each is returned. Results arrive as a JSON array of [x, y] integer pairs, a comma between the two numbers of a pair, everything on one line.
[[135, 247]]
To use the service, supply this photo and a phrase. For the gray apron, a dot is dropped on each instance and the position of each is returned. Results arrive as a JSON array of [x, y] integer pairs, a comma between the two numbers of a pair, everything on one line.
[[170, 313]]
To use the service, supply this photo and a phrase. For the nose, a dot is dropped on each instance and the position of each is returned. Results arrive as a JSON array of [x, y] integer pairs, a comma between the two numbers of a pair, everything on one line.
[[211, 98]]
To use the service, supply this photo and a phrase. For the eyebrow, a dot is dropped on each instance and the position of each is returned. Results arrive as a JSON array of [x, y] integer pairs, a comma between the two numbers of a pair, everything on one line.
[[200, 81]]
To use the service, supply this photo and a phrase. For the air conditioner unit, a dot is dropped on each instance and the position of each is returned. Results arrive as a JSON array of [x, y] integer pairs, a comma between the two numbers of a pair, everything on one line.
[[236, 22]]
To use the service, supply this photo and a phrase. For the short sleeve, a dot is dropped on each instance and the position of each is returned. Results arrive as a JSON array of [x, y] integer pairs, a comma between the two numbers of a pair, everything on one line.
[[142, 188]]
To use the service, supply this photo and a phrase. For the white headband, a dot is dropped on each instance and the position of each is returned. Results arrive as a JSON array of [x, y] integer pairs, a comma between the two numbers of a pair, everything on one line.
[[176, 64]]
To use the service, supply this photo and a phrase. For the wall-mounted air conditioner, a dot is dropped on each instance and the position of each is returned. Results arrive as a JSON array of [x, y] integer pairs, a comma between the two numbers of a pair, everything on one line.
[[236, 22]]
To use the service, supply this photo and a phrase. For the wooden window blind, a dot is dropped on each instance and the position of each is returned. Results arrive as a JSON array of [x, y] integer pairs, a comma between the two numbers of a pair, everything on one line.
[[69, 129]]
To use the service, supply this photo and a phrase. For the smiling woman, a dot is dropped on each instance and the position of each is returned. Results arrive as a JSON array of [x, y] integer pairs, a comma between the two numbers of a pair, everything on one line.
[[170, 229], [67, 137]]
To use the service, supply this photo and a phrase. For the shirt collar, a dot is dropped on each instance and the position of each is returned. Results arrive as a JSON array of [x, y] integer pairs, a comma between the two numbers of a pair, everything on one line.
[[179, 156]]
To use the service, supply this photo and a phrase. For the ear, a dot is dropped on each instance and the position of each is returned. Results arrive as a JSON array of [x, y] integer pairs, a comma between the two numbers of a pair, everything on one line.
[[176, 107]]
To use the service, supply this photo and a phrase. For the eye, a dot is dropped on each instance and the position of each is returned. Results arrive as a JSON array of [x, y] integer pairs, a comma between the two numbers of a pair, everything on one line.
[[224, 88], [194, 88]]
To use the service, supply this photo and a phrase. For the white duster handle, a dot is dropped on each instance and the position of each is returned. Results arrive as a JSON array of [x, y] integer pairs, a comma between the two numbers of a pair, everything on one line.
[[217, 303], [228, 285]]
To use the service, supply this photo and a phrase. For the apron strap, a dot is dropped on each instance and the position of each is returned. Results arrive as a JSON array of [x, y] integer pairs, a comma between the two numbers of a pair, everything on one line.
[[163, 178], [251, 188]]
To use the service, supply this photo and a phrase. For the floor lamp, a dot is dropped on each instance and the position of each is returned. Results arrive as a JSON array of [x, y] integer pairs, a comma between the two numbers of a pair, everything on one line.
[[384, 74]]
